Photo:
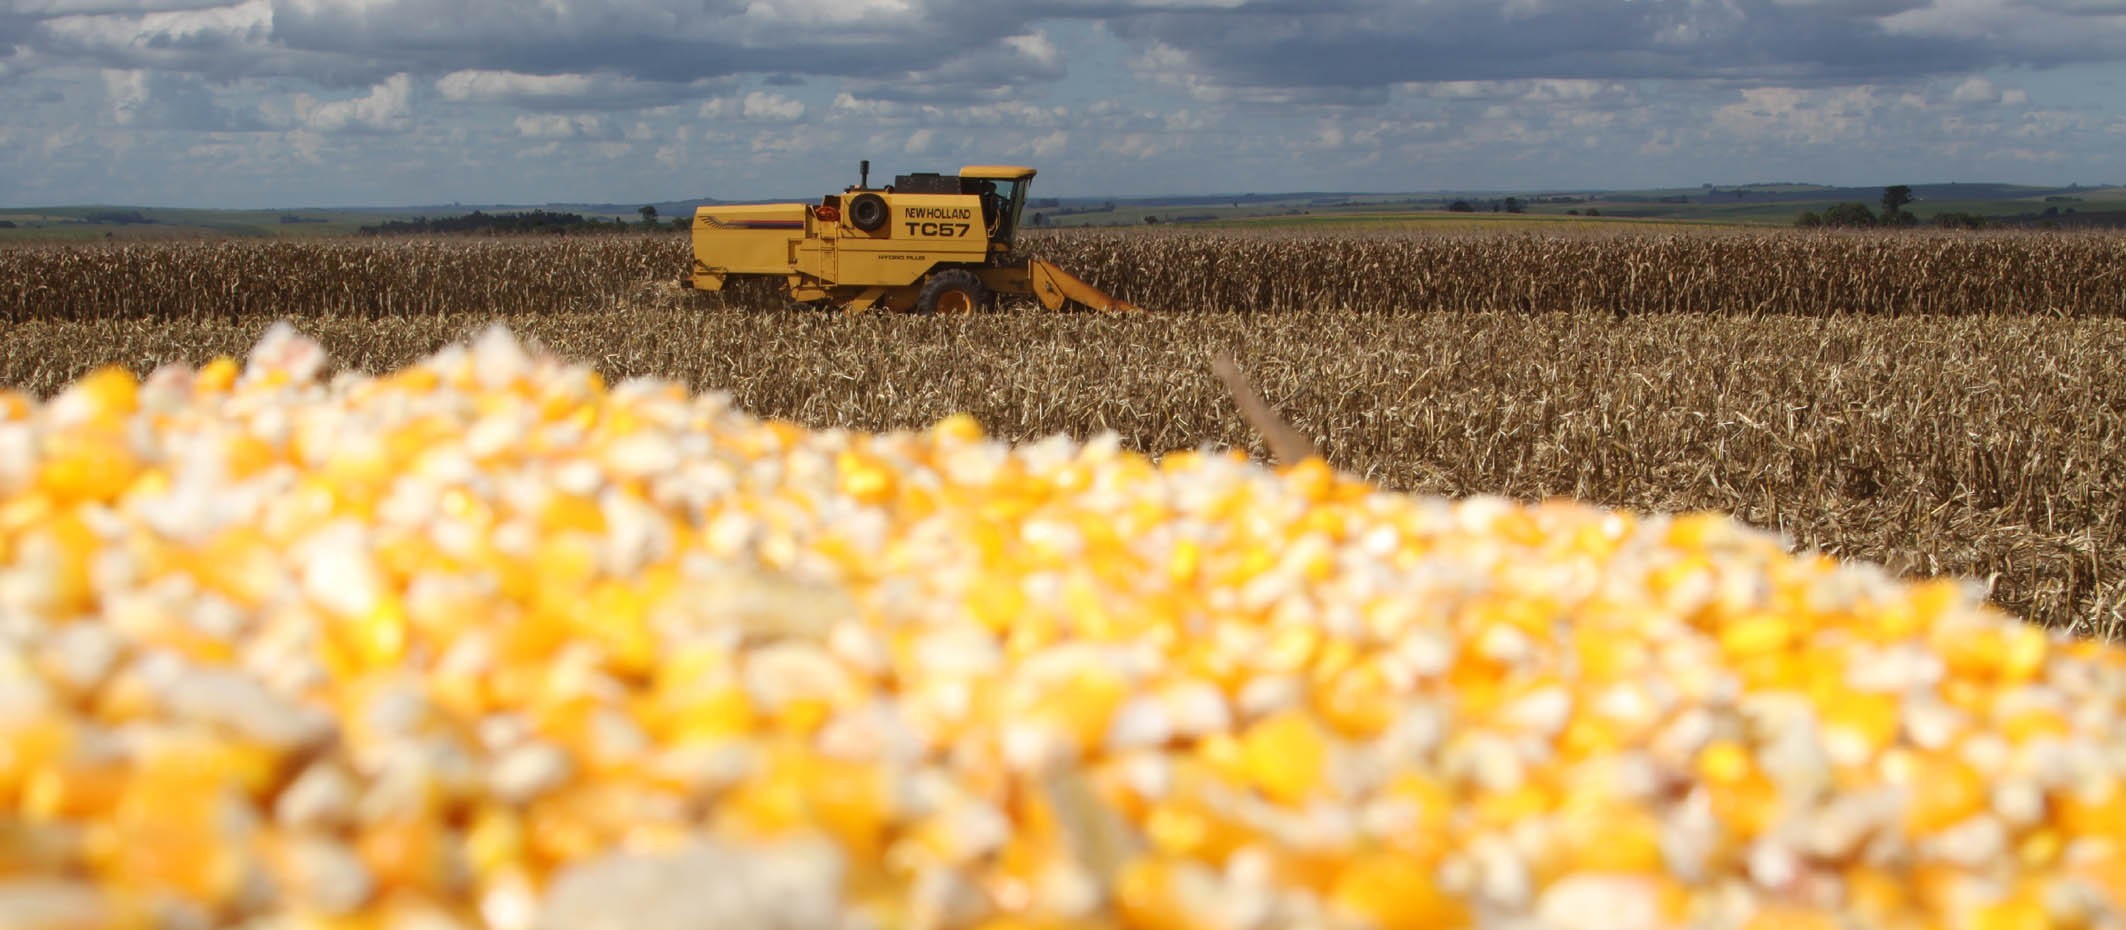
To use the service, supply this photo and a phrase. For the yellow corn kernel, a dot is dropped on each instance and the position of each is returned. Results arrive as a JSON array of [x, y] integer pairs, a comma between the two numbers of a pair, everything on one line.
[[218, 375], [87, 466], [1286, 756], [14, 405], [1503, 809], [2017, 912], [2040, 849], [1430, 799], [1084, 705], [1757, 635], [2101, 812], [2032, 723], [1786, 917], [110, 390], [1873, 718], [1876, 896], [1393, 892], [958, 427], [865, 480], [52, 793], [1940, 791], [1606, 656], [1746, 807], [376, 640], [495, 842], [1333, 659], [618, 620], [1358, 702], [1150, 895], [849, 800], [1290, 649], [1611, 837], [1724, 763], [1186, 830]]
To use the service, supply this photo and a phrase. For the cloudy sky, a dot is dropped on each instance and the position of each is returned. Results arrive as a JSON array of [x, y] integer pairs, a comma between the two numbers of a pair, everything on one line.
[[266, 103]]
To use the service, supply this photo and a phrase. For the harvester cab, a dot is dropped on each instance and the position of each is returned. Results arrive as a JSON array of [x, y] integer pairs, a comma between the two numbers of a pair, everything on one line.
[[928, 243], [1000, 191]]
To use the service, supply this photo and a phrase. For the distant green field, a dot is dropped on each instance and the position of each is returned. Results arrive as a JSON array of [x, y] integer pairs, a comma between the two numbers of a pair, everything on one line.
[[78, 224], [1444, 220], [98, 222]]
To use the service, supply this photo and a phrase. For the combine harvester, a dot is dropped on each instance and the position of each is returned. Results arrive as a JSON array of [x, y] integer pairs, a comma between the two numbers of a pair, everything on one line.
[[930, 243]]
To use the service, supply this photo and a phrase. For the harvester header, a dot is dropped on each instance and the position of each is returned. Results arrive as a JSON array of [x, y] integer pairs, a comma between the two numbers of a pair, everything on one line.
[[927, 243]]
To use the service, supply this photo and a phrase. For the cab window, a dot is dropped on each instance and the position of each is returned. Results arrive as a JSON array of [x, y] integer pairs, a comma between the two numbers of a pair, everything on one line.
[[1000, 202]]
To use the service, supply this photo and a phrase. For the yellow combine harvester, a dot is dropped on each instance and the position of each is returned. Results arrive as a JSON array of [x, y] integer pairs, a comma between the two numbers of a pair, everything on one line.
[[930, 243]]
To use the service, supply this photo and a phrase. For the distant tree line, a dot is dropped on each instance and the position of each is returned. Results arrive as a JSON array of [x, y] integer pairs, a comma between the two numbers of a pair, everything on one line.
[[1104, 207], [116, 217], [1508, 205], [530, 222], [1895, 197], [1852, 215], [2053, 217]]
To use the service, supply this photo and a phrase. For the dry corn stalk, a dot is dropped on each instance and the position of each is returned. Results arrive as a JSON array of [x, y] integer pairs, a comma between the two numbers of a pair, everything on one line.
[[1288, 445], [487, 643]]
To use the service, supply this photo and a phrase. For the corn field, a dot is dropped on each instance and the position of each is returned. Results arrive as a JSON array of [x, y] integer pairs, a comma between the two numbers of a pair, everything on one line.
[[1943, 404], [365, 278], [1943, 274]]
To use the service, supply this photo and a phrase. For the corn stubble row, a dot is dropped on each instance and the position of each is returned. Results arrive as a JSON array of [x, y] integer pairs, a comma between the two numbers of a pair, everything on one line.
[[1724, 273], [363, 278], [1909, 272], [485, 643]]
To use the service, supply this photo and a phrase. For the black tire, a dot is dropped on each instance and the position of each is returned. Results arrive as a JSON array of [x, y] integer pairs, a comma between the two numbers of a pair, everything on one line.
[[953, 290], [867, 212]]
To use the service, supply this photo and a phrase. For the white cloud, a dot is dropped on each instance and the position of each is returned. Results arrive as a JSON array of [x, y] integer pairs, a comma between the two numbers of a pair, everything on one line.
[[504, 86], [753, 106], [1799, 115], [109, 7], [128, 93], [1508, 89], [851, 106], [559, 91], [763, 105], [829, 12], [559, 126], [1036, 48], [788, 142], [142, 99], [1137, 145], [1044, 146], [307, 144], [386, 108], [221, 40], [1975, 90], [1221, 49]]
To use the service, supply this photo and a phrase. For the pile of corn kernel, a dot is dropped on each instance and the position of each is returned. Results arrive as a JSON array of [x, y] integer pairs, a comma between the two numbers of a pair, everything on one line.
[[487, 643]]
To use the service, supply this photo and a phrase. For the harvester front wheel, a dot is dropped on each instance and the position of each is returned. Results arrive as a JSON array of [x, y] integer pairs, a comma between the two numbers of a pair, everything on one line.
[[953, 290]]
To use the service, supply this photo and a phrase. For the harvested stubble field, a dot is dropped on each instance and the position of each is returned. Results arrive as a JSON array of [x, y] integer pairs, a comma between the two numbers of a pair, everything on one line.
[[1939, 403]]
